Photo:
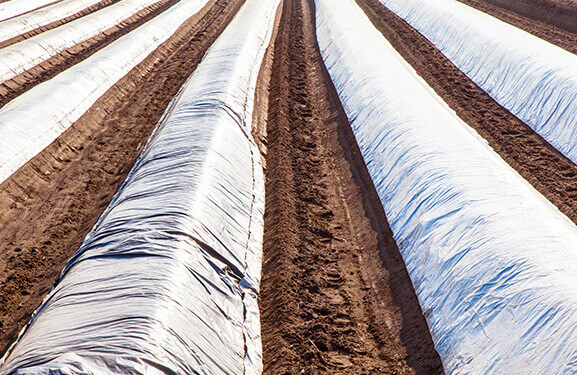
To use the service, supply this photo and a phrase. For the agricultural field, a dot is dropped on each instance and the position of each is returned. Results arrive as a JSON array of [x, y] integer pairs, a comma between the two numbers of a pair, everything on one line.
[[288, 186]]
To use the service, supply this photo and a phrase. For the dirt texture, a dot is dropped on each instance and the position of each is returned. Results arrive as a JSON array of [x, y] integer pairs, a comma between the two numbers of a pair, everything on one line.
[[335, 295], [55, 24], [561, 14], [49, 205], [531, 156], [564, 36], [58, 63]]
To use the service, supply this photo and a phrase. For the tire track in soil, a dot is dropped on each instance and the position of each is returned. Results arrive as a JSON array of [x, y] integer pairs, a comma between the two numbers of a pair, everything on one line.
[[49, 205], [552, 20], [551, 173], [55, 24], [335, 295], [57, 64]]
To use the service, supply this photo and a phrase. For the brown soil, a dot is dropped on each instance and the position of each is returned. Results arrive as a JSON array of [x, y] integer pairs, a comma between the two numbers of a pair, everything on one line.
[[65, 188], [72, 56], [530, 155], [562, 15], [335, 295], [60, 22]]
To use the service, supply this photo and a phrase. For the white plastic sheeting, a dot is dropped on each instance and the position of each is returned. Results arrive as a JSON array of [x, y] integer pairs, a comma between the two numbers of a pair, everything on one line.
[[41, 17], [12, 8], [33, 120], [535, 80], [493, 263], [167, 280], [18, 58]]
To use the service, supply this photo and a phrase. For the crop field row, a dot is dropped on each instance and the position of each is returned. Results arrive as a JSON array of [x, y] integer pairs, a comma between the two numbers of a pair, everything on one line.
[[288, 186]]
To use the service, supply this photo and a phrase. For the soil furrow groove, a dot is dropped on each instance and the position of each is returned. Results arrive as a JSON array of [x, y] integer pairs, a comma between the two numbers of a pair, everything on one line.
[[335, 295], [552, 20]]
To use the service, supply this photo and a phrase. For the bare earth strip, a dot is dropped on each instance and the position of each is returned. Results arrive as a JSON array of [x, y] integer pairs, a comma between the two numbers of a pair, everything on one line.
[[77, 53], [49, 205], [335, 295]]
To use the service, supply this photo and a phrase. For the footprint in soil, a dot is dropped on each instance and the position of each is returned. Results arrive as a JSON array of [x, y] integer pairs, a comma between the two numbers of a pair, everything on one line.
[[322, 311], [323, 233], [340, 361], [334, 279]]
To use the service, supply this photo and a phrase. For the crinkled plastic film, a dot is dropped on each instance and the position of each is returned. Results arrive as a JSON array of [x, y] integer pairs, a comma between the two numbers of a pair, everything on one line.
[[535, 80], [10, 28], [34, 119], [492, 261], [18, 58], [11, 9], [167, 280]]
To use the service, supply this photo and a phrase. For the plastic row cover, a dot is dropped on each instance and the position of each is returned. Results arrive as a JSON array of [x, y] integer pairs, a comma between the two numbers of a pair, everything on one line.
[[33, 120], [11, 9], [533, 79], [492, 261], [18, 58], [167, 281], [41, 17]]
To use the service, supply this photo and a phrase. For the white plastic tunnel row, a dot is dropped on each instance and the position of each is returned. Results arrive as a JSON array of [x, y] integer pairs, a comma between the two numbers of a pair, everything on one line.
[[31, 15], [534, 79], [11, 9], [34, 119], [20, 57], [491, 260], [167, 280]]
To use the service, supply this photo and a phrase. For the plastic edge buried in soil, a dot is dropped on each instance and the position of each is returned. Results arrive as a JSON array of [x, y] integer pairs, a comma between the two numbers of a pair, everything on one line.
[[167, 280], [534, 79], [492, 261], [34, 119]]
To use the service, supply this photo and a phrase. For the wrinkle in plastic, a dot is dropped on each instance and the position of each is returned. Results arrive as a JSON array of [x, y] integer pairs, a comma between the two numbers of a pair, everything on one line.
[[492, 261], [534, 79], [33, 120], [167, 280], [13, 27]]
